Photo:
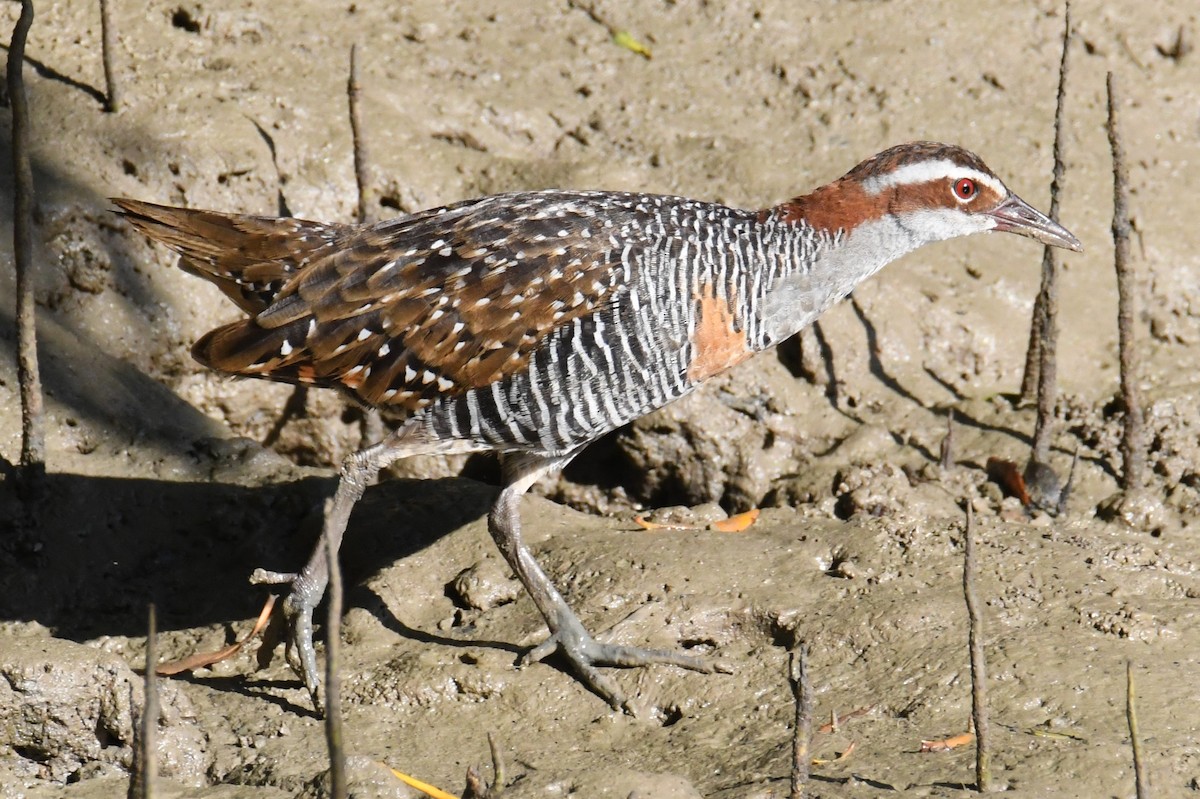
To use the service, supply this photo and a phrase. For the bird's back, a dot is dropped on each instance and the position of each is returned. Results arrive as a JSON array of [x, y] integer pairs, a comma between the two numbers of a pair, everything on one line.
[[534, 320]]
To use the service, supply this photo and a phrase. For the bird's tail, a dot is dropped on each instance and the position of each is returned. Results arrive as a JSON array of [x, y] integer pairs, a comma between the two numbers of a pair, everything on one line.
[[248, 257]]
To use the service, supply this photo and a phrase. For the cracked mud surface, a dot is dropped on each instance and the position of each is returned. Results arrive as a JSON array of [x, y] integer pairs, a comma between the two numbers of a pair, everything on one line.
[[162, 491]]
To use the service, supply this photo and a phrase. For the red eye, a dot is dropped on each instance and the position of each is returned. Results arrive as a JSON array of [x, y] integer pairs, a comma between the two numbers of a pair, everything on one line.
[[964, 188]]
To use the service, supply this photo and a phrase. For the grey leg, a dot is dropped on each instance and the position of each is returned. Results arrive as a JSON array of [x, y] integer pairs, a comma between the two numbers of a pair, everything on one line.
[[358, 471], [567, 634]]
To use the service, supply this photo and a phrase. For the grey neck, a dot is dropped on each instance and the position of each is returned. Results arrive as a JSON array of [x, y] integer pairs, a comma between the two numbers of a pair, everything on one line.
[[834, 265]]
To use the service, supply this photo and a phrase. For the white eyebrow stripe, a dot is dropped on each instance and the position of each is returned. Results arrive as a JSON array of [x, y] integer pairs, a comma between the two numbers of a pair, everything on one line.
[[927, 171]]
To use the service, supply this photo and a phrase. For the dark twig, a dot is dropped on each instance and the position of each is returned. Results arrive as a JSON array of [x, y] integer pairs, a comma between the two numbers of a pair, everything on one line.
[[33, 436], [979, 714], [499, 777], [354, 92], [1139, 767], [372, 423], [802, 729], [145, 767], [333, 688], [476, 787], [1177, 49], [1044, 330], [1132, 451], [946, 456], [108, 45], [1033, 355], [1065, 495]]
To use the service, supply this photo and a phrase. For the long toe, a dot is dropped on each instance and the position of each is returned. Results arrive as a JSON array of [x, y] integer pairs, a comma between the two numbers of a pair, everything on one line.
[[585, 654], [631, 656], [301, 653]]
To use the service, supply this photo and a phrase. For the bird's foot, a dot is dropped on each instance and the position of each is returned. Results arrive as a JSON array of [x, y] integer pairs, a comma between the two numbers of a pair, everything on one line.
[[299, 651], [585, 654]]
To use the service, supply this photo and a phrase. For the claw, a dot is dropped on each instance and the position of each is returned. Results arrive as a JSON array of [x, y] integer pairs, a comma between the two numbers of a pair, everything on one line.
[[300, 653], [264, 577], [540, 652]]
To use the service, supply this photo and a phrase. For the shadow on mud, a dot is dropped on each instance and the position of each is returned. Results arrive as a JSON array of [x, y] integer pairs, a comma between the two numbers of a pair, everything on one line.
[[109, 546]]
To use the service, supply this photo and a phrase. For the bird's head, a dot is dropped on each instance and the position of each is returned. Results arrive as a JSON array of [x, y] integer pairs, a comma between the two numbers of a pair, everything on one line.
[[931, 192]]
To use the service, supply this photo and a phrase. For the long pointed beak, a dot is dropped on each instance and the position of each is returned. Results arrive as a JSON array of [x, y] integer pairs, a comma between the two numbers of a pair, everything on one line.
[[1017, 216]]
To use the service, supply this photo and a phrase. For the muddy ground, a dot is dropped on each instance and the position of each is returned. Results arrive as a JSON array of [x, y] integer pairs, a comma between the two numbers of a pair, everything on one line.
[[161, 489]]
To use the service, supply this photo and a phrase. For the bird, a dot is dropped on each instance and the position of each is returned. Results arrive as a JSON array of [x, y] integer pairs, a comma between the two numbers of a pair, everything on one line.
[[531, 323]]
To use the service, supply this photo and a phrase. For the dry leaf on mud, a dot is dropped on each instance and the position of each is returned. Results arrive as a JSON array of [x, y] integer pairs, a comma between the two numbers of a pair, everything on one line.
[[816, 761], [737, 523], [203, 659], [946, 744]]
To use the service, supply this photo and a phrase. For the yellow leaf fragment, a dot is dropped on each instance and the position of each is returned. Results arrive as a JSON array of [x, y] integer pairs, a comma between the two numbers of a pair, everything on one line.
[[423, 787], [626, 40]]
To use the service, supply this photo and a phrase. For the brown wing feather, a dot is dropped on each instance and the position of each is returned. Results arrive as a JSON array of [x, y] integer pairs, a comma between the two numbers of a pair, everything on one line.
[[249, 258], [437, 303]]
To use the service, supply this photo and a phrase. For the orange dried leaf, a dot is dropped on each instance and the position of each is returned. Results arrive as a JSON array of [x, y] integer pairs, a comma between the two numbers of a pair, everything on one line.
[[263, 616], [203, 659], [423, 787], [197, 661], [849, 750], [737, 523], [946, 744]]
